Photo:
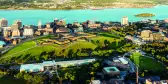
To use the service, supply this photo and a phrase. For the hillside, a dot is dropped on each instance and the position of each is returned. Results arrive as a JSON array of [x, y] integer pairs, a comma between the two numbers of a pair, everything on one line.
[[77, 4]]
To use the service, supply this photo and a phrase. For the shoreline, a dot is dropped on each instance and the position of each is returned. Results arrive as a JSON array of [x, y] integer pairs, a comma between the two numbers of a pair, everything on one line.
[[92, 7]]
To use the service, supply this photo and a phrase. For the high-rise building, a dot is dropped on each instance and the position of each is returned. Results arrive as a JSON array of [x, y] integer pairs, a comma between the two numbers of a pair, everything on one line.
[[14, 27], [124, 21], [6, 31], [19, 22], [39, 25], [3, 22]]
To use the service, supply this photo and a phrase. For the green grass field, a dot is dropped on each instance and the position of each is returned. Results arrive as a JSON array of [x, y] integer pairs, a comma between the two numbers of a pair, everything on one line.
[[21, 47], [109, 35], [102, 38], [29, 51], [146, 63], [35, 52], [80, 45]]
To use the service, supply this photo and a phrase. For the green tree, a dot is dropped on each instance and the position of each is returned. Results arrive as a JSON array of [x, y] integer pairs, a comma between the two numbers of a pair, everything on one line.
[[28, 78], [37, 79]]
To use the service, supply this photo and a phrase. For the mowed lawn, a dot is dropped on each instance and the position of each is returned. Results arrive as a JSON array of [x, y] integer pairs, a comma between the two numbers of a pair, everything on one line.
[[109, 35], [150, 64], [21, 47], [79, 45], [146, 63], [29, 53], [101, 39]]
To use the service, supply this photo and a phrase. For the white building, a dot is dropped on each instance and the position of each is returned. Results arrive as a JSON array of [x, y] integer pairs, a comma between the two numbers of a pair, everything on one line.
[[6, 31], [28, 32], [39, 25], [124, 21]]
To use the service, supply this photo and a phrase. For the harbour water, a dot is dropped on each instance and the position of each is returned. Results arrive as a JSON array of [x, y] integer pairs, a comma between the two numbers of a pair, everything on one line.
[[33, 16]]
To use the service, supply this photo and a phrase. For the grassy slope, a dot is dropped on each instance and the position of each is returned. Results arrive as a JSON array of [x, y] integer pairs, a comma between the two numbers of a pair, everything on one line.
[[146, 63], [31, 53], [21, 47], [80, 45]]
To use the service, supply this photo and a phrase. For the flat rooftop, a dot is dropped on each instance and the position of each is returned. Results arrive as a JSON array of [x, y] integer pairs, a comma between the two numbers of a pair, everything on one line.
[[111, 69], [123, 60]]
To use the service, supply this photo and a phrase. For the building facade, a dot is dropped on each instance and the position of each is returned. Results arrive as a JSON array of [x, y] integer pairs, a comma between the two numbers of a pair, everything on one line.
[[124, 21], [28, 32], [14, 27], [15, 33], [19, 22], [3, 22]]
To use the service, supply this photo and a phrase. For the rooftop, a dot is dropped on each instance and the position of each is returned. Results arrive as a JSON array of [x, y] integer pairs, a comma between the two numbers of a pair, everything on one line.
[[2, 43], [31, 67], [110, 69], [123, 60]]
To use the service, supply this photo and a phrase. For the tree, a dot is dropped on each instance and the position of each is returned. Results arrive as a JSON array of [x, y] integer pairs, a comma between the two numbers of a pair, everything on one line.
[[70, 53], [158, 57], [37, 79], [163, 59], [96, 65], [28, 78], [19, 75]]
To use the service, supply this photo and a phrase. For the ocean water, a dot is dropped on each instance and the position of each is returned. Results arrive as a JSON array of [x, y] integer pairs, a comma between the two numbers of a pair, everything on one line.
[[29, 17]]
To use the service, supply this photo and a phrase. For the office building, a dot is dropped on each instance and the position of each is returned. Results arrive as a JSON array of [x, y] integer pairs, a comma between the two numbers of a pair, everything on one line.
[[15, 33], [146, 33], [14, 27], [6, 31], [28, 31], [3, 22], [124, 21], [19, 22], [39, 25]]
